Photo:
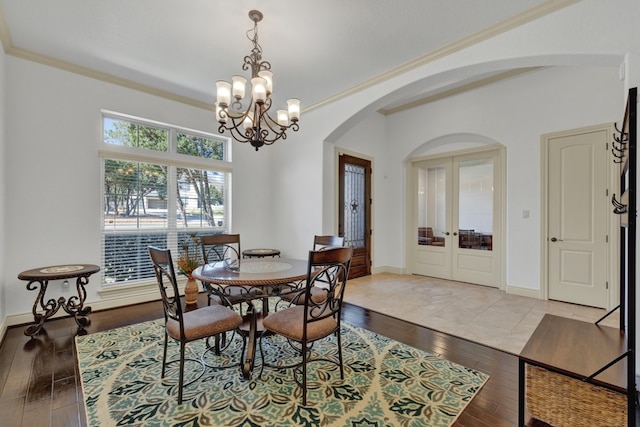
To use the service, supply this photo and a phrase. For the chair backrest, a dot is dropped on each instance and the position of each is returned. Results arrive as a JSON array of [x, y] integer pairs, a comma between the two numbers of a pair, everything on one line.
[[324, 242], [166, 277], [328, 270], [218, 247]]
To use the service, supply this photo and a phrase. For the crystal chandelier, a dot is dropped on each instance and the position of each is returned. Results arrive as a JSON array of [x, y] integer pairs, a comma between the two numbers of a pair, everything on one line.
[[254, 124]]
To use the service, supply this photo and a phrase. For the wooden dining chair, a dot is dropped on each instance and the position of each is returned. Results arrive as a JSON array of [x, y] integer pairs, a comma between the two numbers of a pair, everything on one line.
[[327, 241], [314, 320], [184, 327]]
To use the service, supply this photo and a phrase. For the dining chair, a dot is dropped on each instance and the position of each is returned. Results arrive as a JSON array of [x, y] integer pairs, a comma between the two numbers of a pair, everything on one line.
[[185, 327], [319, 243], [327, 241], [314, 320], [222, 248]]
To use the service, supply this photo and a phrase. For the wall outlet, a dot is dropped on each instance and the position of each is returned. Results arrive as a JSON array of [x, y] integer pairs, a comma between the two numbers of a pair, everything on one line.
[[525, 214], [65, 285]]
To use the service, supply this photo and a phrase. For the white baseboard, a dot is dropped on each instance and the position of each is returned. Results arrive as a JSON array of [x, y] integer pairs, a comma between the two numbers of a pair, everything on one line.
[[112, 298], [523, 292], [387, 269]]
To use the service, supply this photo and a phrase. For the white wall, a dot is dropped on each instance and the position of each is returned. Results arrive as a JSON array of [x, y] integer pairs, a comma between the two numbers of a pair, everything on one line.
[[53, 212], [582, 89], [3, 182]]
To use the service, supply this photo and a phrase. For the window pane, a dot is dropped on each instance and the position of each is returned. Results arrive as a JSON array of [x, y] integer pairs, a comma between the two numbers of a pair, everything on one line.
[[129, 134], [126, 256], [135, 195], [432, 205], [201, 198], [475, 204], [354, 205], [198, 146]]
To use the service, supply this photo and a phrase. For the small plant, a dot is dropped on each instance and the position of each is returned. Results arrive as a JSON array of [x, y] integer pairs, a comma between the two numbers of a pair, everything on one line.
[[188, 260]]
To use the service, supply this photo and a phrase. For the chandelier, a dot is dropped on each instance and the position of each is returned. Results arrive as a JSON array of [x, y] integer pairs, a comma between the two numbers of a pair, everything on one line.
[[254, 124]]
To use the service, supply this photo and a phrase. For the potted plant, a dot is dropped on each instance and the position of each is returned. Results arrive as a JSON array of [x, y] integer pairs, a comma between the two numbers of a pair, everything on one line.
[[187, 262]]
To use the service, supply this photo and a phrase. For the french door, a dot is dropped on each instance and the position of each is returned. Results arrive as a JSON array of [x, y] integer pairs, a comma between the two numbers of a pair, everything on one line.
[[456, 217]]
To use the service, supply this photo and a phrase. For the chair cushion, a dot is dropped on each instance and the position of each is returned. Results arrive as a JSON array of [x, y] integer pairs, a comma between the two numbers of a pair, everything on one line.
[[205, 322], [290, 323]]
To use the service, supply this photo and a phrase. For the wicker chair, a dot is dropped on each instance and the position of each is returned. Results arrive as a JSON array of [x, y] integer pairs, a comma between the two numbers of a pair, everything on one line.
[[185, 327], [312, 321]]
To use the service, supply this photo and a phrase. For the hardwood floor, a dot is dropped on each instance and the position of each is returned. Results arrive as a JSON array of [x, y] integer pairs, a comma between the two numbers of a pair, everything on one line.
[[40, 385]]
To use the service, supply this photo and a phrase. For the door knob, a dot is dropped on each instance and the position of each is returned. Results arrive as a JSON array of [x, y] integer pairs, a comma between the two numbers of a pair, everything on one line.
[[455, 234], [553, 239], [446, 233]]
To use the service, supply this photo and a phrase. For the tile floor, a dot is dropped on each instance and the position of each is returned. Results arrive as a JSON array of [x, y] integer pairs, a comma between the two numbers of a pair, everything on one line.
[[478, 313]]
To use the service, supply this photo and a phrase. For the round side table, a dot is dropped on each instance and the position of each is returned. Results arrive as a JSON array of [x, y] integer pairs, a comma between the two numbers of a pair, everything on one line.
[[260, 253], [74, 305]]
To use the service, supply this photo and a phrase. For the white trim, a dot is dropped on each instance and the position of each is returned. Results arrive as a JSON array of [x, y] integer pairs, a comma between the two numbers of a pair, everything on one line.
[[524, 292]]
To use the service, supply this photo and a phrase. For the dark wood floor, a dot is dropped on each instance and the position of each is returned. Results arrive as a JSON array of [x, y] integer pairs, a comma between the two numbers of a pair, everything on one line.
[[40, 386]]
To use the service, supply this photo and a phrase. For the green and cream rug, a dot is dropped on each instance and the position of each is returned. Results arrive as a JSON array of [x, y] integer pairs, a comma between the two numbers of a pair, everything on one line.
[[386, 384]]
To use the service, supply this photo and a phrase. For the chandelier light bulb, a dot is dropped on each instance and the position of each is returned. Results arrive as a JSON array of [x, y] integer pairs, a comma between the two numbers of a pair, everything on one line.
[[283, 118], [259, 90], [268, 76], [223, 90], [239, 85], [293, 105]]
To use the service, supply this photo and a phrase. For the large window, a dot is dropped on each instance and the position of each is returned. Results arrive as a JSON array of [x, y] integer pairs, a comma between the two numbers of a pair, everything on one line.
[[160, 185]]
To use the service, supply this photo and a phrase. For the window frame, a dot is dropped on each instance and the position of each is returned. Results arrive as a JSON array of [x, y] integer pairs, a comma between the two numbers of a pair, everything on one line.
[[172, 160]]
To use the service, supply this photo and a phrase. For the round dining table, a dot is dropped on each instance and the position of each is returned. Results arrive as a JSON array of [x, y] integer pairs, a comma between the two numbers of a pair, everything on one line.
[[249, 280]]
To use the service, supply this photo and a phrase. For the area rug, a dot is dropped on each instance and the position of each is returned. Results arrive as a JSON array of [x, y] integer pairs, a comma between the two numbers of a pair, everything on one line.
[[386, 383]]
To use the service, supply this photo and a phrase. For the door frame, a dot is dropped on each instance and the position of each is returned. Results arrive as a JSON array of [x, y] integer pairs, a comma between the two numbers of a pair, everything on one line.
[[612, 227], [500, 251]]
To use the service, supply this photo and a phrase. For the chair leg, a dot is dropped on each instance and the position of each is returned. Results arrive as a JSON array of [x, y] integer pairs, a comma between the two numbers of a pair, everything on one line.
[[164, 353], [304, 373], [340, 353], [181, 378]]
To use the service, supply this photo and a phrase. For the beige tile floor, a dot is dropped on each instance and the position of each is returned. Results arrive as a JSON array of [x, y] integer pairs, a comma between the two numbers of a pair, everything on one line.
[[477, 313]]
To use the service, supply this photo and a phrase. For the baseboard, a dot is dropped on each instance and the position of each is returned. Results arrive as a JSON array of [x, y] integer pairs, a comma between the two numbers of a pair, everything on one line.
[[523, 292], [388, 269], [118, 298]]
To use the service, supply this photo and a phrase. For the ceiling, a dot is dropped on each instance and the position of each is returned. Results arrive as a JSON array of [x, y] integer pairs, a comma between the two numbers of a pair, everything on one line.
[[318, 49]]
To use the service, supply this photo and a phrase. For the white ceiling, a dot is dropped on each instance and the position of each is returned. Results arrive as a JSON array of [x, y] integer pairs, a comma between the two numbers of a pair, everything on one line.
[[317, 48]]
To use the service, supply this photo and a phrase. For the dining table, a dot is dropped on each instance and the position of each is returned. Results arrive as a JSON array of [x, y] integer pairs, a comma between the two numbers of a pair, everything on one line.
[[256, 279]]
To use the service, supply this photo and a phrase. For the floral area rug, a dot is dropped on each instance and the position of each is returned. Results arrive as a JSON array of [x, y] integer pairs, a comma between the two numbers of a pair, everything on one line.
[[386, 383]]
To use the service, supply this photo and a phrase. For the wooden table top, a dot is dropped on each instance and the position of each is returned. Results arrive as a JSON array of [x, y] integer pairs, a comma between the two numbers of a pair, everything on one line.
[[57, 272], [254, 272], [578, 349]]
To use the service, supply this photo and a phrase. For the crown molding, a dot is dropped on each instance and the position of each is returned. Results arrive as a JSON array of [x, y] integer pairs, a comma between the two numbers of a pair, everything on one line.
[[532, 14], [457, 90]]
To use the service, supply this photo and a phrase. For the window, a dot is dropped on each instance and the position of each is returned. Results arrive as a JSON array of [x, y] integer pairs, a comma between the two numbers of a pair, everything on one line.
[[160, 185]]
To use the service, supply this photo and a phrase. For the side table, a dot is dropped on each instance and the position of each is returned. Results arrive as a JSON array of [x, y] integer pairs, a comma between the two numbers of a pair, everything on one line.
[[260, 253], [74, 305]]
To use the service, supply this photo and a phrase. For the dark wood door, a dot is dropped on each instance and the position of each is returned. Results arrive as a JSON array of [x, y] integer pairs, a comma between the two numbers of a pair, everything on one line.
[[355, 211]]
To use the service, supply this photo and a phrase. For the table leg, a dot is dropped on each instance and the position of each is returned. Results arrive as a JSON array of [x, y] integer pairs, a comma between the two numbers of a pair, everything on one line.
[[50, 308], [249, 357], [75, 305]]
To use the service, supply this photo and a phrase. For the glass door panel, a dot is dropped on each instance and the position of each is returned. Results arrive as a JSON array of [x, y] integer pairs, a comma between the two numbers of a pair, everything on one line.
[[475, 204], [432, 208]]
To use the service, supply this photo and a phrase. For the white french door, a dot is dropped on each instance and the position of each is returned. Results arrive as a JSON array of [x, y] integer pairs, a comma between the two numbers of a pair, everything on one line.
[[456, 205]]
